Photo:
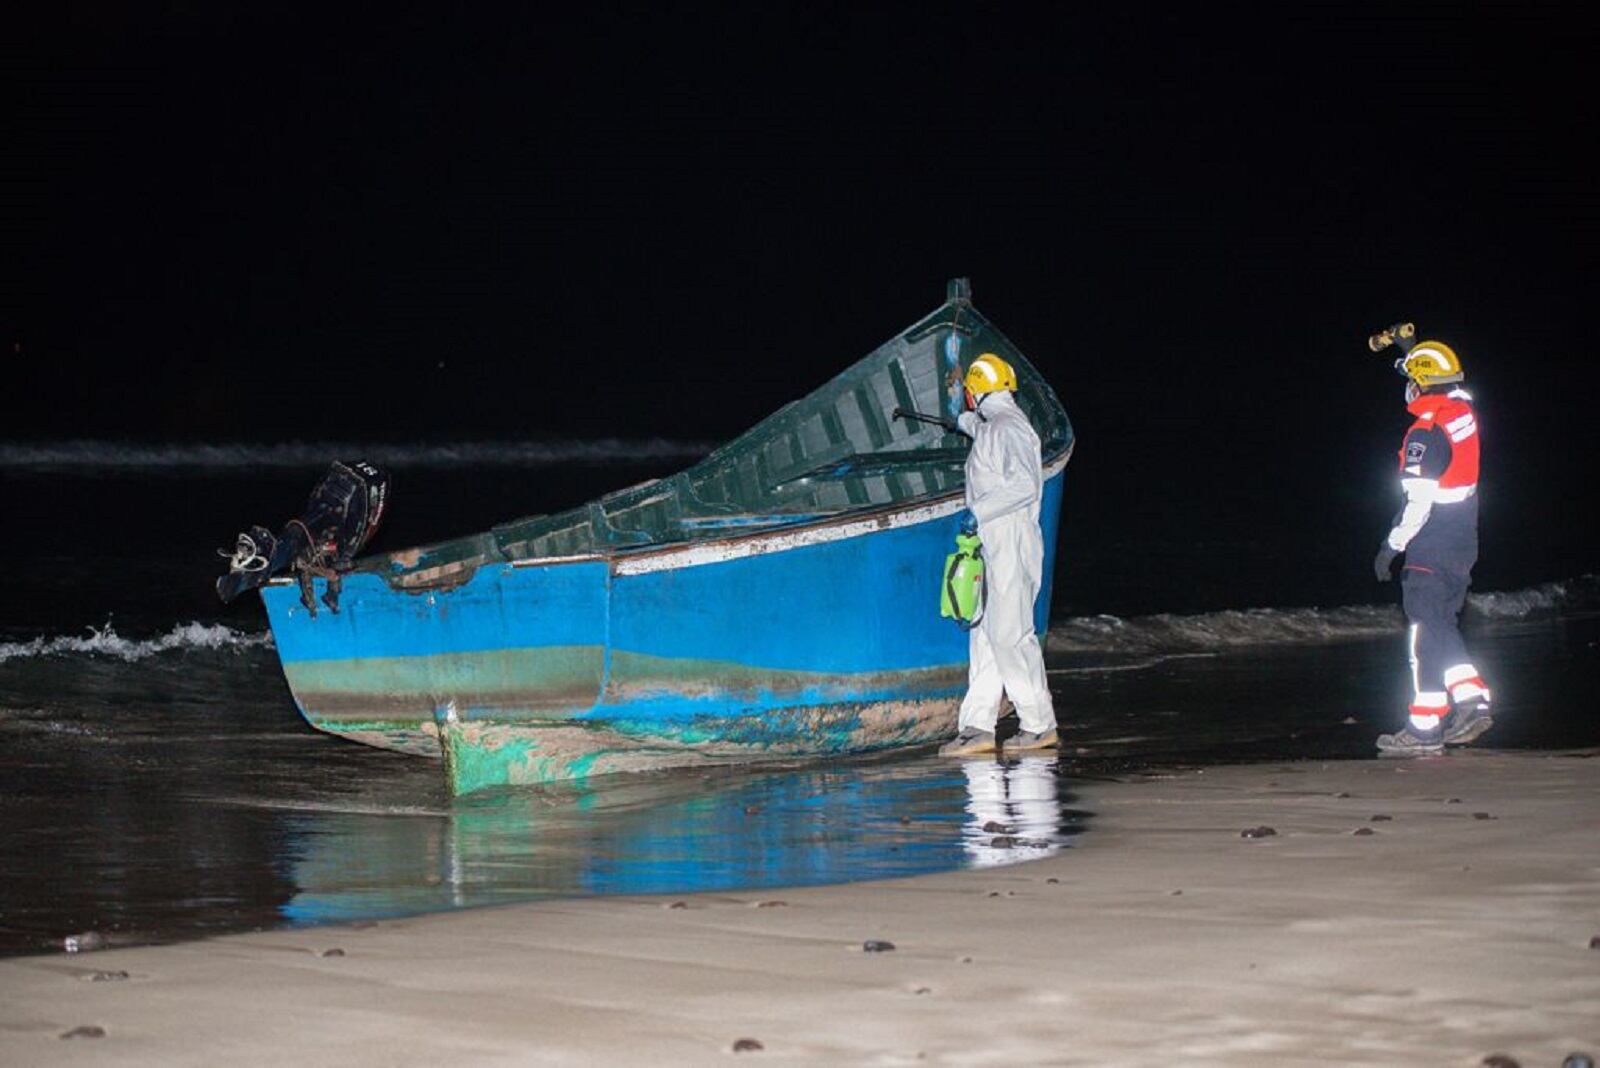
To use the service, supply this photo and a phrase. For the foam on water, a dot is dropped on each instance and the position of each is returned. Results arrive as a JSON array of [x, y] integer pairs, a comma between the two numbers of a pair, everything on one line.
[[1211, 631], [1551, 598], [106, 642], [100, 455], [1219, 630]]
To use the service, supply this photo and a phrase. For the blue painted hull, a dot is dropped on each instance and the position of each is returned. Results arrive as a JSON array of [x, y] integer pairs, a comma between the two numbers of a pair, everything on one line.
[[797, 641]]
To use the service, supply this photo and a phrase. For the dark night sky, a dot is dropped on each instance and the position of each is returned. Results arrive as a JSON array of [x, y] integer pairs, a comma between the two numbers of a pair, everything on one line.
[[398, 225]]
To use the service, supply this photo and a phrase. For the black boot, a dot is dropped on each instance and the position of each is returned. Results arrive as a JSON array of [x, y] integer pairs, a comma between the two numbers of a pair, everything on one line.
[[1409, 741], [1468, 722]]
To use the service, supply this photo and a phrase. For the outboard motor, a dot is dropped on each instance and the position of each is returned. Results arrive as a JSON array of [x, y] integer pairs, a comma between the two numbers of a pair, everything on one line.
[[344, 510]]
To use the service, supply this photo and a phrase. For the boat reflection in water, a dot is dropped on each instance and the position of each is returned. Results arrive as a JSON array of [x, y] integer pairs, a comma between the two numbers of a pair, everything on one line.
[[730, 829]]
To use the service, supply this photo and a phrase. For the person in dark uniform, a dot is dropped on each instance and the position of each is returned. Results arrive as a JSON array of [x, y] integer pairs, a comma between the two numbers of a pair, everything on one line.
[[1437, 531]]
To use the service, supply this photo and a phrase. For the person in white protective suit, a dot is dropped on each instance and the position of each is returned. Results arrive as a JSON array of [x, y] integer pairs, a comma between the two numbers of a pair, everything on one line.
[[1005, 479]]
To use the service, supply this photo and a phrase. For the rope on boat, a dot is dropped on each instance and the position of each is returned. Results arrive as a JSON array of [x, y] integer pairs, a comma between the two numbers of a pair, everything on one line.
[[246, 555]]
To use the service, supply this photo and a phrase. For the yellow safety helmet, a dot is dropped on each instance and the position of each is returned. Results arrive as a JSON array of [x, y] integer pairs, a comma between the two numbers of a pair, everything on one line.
[[1430, 363], [989, 374]]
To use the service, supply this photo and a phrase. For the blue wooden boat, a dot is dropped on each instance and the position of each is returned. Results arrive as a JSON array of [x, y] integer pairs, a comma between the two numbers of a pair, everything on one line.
[[780, 598]]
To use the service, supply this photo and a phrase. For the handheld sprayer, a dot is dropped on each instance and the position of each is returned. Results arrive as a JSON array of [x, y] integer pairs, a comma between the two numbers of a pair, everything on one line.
[[963, 594]]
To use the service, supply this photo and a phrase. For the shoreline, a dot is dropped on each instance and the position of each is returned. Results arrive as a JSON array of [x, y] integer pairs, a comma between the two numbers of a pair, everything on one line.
[[1458, 927]]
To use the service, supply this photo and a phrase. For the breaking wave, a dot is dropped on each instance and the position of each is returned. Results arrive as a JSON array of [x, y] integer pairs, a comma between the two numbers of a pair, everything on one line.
[[112, 454], [1580, 594], [1209, 631], [106, 642], [1236, 629]]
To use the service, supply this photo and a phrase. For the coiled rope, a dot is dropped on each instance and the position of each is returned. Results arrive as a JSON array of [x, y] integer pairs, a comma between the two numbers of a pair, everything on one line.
[[246, 556]]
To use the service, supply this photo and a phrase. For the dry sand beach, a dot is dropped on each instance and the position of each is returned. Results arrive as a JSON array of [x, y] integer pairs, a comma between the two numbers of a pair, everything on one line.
[[1431, 912]]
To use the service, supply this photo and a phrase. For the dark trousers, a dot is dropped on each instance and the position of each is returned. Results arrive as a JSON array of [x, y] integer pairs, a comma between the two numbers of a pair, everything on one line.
[[1433, 588]]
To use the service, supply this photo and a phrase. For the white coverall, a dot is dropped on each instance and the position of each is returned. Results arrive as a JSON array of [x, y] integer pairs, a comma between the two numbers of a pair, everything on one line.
[[1005, 479]]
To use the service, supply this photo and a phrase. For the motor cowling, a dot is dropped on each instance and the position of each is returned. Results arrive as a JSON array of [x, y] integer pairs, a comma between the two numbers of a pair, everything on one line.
[[341, 515]]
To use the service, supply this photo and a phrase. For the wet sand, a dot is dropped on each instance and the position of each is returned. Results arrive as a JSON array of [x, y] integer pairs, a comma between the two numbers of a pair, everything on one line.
[[1459, 927]]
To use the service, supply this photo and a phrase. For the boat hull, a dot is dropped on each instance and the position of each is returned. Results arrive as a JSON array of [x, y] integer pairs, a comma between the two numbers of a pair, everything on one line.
[[806, 641]]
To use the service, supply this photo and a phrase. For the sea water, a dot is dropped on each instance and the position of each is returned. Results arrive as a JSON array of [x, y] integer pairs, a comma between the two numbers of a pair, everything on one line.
[[156, 782]]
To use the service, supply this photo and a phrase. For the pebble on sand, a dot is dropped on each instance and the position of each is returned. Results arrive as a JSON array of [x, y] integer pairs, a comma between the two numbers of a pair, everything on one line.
[[772, 904], [106, 977], [874, 945], [1363, 831], [675, 905], [86, 1031], [1382, 817], [996, 827], [334, 952], [1577, 1060], [1482, 816], [1594, 943], [1500, 1060], [746, 1045], [1257, 832]]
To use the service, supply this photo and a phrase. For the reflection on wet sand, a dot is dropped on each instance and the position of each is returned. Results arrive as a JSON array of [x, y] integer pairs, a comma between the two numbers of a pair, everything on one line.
[[1014, 811], [675, 833]]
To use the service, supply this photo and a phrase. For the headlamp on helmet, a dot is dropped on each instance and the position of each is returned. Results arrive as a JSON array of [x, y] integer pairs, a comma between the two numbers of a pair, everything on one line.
[[1423, 364], [1428, 364]]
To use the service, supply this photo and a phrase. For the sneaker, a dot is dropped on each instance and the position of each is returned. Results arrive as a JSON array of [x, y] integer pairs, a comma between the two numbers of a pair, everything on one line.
[[1408, 741], [1022, 741], [1467, 722], [970, 742]]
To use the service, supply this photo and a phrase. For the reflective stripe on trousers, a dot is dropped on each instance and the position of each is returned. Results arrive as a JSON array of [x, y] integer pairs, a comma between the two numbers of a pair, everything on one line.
[[1433, 590]]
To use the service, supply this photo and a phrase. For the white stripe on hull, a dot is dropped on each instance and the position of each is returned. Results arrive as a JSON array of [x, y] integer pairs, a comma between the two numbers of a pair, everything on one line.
[[677, 557]]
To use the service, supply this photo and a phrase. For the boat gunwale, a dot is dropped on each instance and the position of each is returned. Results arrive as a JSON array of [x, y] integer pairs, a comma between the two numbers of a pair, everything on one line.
[[633, 554], [636, 554]]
